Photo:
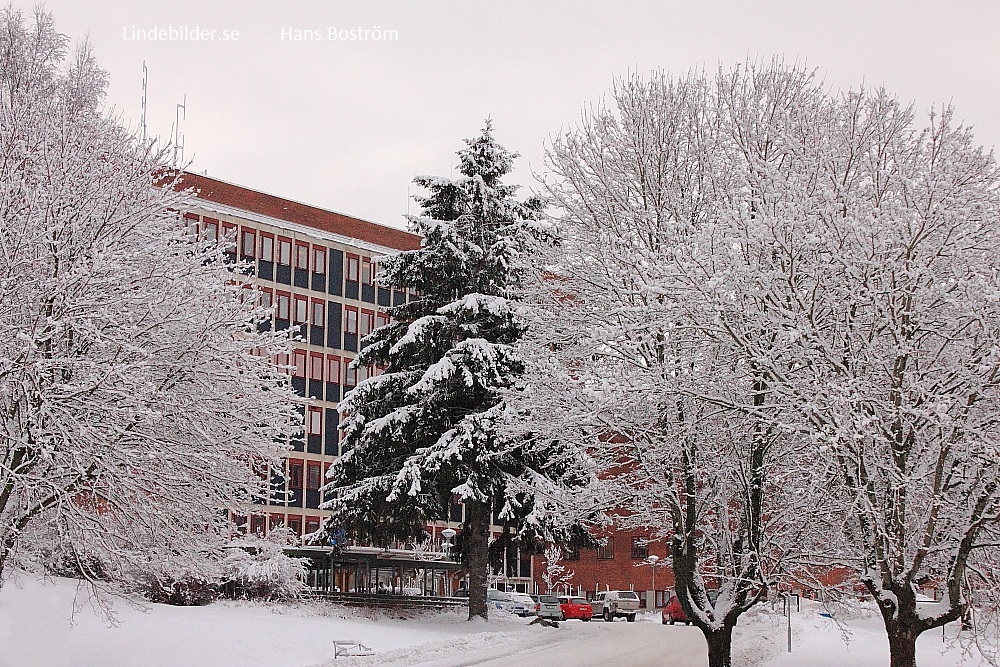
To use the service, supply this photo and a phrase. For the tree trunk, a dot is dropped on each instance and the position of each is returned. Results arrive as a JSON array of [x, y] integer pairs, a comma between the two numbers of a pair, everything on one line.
[[720, 647], [902, 645], [477, 545]]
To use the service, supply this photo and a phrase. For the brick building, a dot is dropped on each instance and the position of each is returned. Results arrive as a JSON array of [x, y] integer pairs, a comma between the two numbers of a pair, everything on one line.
[[626, 562], [316, 268]]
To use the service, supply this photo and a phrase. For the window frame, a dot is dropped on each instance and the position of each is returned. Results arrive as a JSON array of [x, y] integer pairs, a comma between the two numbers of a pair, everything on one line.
[[299, 368], [319, 259], [333, 369], [294, 464], [280, 295], [314, 359], [251, 233], [212, 223], [350, 320], [266, 254], [364, 330], [300, 311], [314, 421], [640, 548], [353, 267], [367, 276], [317, 319], [284, 244], [302, 256]]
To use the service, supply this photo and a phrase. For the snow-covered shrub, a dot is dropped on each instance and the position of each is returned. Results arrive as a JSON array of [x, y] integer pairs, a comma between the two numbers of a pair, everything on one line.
[[178, 580], [258, 568], [189, 591]]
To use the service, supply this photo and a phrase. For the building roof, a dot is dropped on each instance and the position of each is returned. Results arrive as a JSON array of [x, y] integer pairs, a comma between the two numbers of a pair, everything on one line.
[[237, 196]]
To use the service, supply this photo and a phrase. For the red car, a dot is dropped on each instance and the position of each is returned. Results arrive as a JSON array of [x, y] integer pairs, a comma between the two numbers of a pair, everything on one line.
[[673, 612], [576, 608]]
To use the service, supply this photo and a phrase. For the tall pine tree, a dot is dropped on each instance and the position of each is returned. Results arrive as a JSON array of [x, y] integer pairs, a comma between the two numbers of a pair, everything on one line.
[[431, 425]]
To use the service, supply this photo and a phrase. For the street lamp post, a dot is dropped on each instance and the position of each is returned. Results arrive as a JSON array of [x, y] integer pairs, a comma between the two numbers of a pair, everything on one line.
[[652, 560], [447, 534]]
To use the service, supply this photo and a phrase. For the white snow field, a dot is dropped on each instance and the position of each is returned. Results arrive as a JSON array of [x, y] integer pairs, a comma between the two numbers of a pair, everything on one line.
[[38, 628]]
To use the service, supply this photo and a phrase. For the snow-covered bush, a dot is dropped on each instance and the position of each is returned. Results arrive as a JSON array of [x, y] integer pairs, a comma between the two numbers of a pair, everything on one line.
[[258, 568]]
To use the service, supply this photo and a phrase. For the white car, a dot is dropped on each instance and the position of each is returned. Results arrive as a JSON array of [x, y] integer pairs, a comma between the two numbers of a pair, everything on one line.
[[609, 605], [510, 601]]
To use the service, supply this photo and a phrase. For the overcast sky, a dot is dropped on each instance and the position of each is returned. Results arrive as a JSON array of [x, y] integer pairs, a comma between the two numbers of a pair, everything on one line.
[[347, 124]]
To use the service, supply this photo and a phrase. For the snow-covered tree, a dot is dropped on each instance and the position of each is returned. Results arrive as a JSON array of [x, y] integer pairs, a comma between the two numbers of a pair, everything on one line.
[[429, 428], [802, 288], [881, 270], [137, 399], [684, 424], [555, 574]]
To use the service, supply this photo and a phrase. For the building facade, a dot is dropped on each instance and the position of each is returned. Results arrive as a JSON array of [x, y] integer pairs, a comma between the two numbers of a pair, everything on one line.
[[316, 268]]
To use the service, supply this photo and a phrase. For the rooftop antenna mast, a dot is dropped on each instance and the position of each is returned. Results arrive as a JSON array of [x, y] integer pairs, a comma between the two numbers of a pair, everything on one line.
[[145, 81], [178, 138]]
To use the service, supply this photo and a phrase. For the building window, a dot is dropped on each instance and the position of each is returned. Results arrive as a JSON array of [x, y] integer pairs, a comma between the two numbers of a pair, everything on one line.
[[367, 322], [281, 361], [381, 320], [302, 256], [316, 367], [352, 376], [295, 474], [315, 428], [639, 549], [266, 248], [301, 309], [318, 313], [299, 358], [210, 230], [351, 322], [366, 271], [249, 244], [607, 552], [572, 553], [319, 259], [284, 306], [266, 298], [333, 369], [284, 251], [312, 524], [352, 268]]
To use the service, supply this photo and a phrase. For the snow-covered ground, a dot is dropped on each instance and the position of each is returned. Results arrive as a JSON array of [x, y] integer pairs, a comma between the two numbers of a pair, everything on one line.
[[39, 629]]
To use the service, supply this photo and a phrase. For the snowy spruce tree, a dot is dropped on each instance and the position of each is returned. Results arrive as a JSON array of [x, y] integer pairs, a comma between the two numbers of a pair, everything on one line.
[[137, 398], [430, 427]]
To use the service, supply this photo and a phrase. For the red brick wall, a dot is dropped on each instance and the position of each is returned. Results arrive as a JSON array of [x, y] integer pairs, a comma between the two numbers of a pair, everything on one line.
[[619, 573]]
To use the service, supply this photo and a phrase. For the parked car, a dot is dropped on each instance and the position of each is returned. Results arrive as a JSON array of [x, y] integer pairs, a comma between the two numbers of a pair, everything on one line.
[[674, 612], [609, 605], [576, 608], [510, 601], [548, 607]]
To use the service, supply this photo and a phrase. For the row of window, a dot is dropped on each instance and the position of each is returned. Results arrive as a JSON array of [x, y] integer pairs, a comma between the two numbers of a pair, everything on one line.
[[261, 524], [640, 550], [302, 309], [276, 257]]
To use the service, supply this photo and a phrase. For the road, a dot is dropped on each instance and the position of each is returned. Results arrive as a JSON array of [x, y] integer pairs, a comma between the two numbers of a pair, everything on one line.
[[597, 644]]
